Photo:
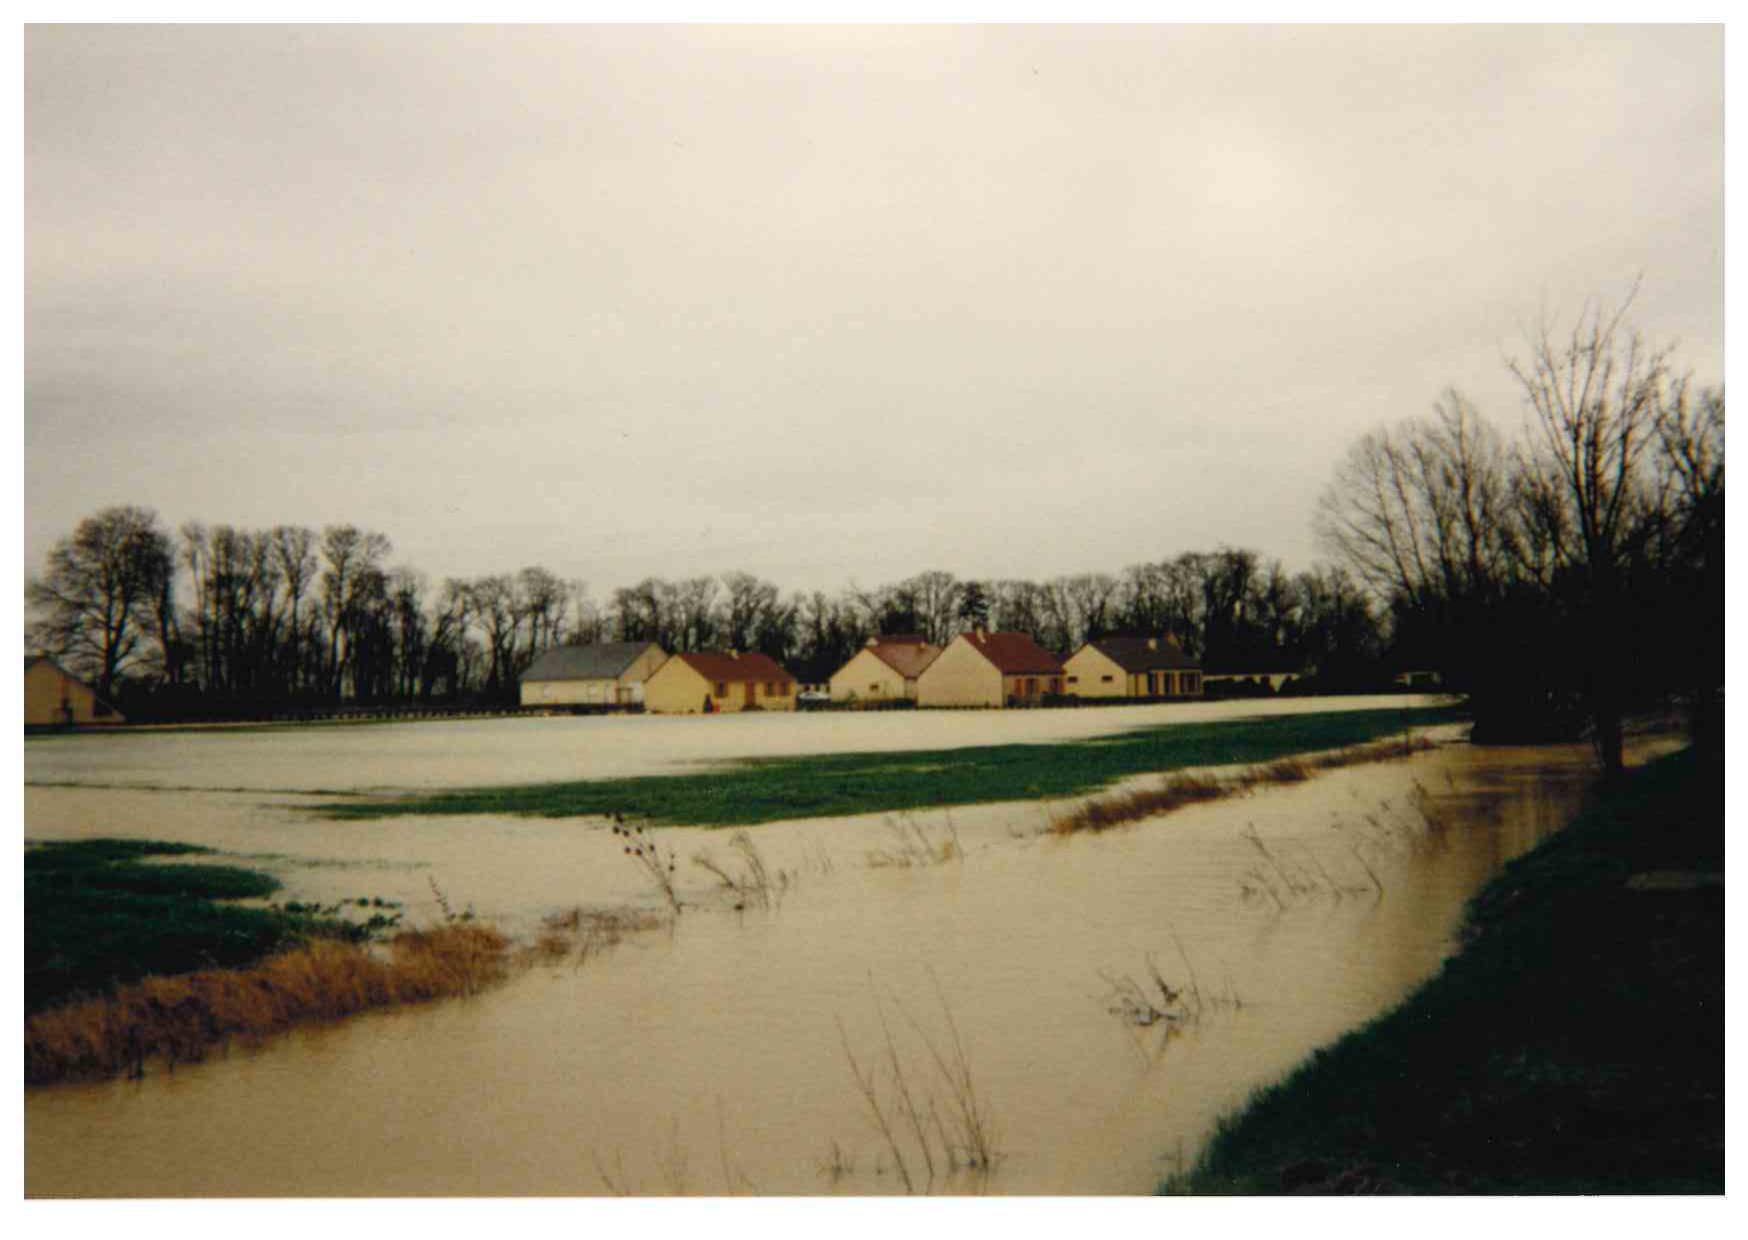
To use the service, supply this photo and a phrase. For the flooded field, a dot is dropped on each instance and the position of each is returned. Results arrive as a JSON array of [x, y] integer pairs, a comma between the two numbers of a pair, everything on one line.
[[914, 958], [466, 753]]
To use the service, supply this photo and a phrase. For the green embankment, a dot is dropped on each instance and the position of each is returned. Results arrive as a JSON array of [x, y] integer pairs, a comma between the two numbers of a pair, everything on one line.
[[96, 915], [756, 790], [1573, 1045]]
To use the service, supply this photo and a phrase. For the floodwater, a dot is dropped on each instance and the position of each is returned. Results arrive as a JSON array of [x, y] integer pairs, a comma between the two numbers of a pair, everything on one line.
[[478, 752], [715, 1055]]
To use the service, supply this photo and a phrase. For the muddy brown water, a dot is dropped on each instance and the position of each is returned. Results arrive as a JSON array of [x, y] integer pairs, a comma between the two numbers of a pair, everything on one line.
[[713, 1056]]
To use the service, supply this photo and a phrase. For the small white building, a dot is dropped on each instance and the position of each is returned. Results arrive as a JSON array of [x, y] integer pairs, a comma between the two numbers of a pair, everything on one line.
[[605, 674]]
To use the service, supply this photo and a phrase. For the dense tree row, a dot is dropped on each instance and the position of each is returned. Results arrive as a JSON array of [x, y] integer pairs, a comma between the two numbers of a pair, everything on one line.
[[216, 619], [1570, 575], [1578, 570]]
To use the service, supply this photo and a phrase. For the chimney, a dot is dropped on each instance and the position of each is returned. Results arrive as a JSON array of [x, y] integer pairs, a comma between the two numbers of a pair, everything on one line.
[[733, 653], [1153, 643], [981, 635], [873, 642]]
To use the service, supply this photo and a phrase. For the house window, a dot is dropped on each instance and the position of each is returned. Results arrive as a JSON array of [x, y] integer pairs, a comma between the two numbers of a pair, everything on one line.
[[722, 688], [1106, 679], [1075, 680], [1056, 684]]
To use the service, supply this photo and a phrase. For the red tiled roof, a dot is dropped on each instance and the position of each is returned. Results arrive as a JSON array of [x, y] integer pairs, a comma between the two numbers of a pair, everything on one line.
[[1015, 654], [735, 667], [907, 658]]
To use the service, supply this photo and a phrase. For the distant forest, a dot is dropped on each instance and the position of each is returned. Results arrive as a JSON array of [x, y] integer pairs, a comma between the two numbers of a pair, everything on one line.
[[1560, 578]]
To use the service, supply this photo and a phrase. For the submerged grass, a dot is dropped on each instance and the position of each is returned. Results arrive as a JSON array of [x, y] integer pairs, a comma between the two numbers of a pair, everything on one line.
[[129, 961], [99, 913], [1574, 1045], [758, 790], [1176, 791]]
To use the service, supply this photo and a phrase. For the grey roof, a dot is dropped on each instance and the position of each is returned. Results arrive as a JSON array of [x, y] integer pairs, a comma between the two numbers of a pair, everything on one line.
[[602, 661], [1135, 654]]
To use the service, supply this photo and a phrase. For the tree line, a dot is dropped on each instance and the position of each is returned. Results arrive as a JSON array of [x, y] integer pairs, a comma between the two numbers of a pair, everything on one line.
[[209, 620], [1567, 575], [1559, 577]]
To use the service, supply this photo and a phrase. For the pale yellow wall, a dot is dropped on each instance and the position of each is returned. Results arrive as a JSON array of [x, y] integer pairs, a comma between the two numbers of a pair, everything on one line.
[[1040, 683], [783, 699], [959, 677], [46, 688], [1092, 665], [641, 669], [1088, 667], [627, 689], [677, 688], [569, 692], [869, 678]]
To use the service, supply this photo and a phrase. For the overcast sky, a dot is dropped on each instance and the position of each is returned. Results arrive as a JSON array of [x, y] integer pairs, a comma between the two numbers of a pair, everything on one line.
[[828, 304]]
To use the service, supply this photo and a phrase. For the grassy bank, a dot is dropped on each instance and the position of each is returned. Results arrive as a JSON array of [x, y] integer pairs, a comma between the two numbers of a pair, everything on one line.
[[757, 790], [1574, 1044], [129, 959], [178, 1018], [99, 913]]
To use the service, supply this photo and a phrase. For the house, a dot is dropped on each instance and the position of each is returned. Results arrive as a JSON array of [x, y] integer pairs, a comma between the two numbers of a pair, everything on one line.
[[604, 674], [54, 697], [696, 682], [980, 668], [885, 670], [1132, 667]]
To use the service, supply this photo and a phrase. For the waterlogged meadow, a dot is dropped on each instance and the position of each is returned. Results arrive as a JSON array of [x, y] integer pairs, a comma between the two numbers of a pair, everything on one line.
[[967, 998]]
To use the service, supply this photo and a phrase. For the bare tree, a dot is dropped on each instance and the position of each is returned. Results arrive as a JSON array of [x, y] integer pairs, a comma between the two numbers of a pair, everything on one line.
[[1423, 510], [497, 606], [542, 596], [1596, 396], [294, 553], [745, 609], [695, 621], [94, 601], [936, 596], [352, 555]]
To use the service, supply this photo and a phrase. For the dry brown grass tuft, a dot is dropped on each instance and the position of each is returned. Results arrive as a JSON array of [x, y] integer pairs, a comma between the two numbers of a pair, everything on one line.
[[1176, 791], [179, 1018]]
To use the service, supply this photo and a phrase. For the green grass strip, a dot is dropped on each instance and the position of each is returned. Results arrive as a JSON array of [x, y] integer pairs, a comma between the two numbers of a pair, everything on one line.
[[1574, 1045], [95, 916], [757, 790]]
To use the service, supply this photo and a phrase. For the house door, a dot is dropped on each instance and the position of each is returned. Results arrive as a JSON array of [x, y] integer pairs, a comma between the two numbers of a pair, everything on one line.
[[751, 688]]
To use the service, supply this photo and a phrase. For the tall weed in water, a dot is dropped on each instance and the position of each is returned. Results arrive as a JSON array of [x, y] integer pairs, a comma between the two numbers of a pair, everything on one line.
[[658, 863], [749, 882], [912, 846], [937, 1116], [1159, 1001]]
